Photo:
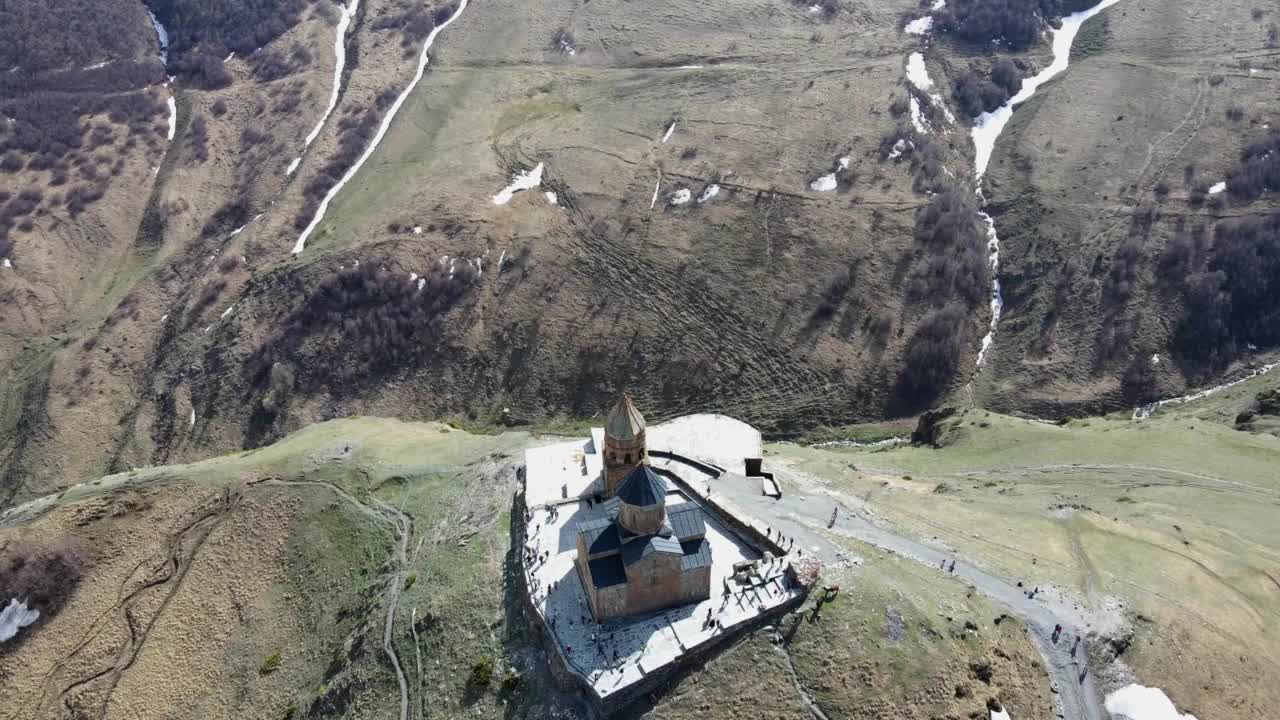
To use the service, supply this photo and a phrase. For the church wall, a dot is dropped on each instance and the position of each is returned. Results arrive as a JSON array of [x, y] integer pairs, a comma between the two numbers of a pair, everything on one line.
[[695, 585], [642, 520], [653, 583], [611, 602]]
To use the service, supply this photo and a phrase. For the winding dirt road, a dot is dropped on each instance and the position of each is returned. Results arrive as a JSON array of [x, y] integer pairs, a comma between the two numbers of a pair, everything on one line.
[[804, 515]]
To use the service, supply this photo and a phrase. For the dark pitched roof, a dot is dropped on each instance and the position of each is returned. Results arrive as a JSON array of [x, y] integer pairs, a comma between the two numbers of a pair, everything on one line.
[[624, 422], [686, 521], [642, 487], [640, 549], [697, 554], [601, 535], [607, 571]]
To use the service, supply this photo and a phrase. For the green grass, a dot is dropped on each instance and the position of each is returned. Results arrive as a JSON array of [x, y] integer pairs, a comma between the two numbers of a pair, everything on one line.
[[863, 432], [1172, 440]]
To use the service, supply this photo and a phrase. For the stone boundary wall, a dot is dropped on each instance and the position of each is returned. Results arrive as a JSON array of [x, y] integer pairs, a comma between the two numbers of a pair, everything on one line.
[[729, 515], [562, 669], [707, 468]]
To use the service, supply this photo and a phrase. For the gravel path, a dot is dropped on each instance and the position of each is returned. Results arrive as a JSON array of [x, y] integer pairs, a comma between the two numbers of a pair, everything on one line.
[[804, 516]]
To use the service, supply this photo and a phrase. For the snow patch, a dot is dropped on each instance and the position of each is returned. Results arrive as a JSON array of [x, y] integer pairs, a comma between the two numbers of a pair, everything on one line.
[[900, 147], [551, 197], [95, 66], [918, 120], [917, 73], [826, 183], [938, 4], [919, 26], [227, 312], [292, 166], [520, 181], [191, 422], [417, 229], [997, 297], [423, 59], [1001, 714], [680, 197], [237, 231], [1138, 702], [654, 201], [1146, 411], [670, 130], [173, 117], [710, 192], [1219, 187], [14, 617], [340, 61], [688, 67], [162, 36], [6, 263]]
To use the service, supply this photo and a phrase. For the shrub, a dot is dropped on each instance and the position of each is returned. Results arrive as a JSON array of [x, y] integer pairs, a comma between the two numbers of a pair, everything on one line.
[[1138, 385], [201, 31], [1015, 24], [355, 129], [954, 266], [199, 138], [44, 576], [218, 108], [933, 355], [1259, 170], [270, 664], [481, 674], [381, 319], [1237, 300]]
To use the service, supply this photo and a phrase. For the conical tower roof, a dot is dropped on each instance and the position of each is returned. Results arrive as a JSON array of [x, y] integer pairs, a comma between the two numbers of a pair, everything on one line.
[[625, 422]]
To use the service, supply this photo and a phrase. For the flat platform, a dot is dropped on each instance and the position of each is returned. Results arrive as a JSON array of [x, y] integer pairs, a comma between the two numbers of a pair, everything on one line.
[[613, 655]]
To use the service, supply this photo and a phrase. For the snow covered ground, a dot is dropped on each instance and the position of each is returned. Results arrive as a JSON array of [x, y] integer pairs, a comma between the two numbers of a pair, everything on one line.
[[1137, 702], [173, 117], [15, 616], [520, 181], [919, 26]]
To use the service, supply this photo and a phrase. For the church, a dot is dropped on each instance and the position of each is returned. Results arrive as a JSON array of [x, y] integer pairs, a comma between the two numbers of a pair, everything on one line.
[[636, 555]]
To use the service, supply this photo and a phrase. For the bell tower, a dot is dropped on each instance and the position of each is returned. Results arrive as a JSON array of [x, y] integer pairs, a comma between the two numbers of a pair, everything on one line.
[[624, 444]]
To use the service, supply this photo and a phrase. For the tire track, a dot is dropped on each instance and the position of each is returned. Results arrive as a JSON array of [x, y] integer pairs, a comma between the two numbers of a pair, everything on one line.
[[182, 545]]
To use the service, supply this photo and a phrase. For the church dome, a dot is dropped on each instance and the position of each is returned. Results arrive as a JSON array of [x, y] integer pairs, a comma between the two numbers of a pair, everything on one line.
[[624, 422], [643, 488], [644, 501]]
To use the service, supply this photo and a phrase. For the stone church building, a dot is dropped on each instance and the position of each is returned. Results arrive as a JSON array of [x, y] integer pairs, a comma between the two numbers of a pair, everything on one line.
[[634, 554]]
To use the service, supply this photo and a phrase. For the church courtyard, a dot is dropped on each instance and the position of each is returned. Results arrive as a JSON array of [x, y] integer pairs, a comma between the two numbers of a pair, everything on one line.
[[616, 654]]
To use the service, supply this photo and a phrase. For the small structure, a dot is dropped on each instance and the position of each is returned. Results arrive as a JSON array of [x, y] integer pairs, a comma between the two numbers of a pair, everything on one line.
[[624, 445], [634, 557]]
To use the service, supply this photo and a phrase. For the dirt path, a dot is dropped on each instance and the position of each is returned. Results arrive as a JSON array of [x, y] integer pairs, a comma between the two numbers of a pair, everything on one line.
[[804, 516], [401, 525]]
